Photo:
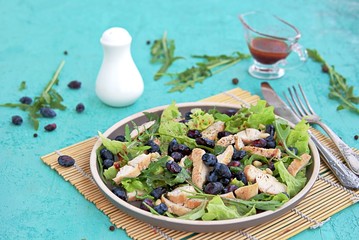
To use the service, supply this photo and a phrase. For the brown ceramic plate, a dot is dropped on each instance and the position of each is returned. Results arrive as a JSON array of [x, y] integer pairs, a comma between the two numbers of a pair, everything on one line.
[[194, 225]]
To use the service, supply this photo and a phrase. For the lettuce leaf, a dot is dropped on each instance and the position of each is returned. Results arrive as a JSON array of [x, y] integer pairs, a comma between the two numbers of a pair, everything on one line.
[[200, 120], [113, 146], [110, 173], [133, 184], [170, 128], [216, 210], [299, 137], [171, 112], [294, 184], [260, 114]]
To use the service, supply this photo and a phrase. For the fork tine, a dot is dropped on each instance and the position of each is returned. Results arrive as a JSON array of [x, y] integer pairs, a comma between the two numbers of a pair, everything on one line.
[[306, 100], [300, 101], [299, 110], [291, 105]]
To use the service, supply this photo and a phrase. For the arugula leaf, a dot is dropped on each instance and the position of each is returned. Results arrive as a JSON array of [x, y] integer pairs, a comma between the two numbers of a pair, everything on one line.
[[157, 175], [262, 202], [162, 51], [196, 213], [197, 74], [339, 89]]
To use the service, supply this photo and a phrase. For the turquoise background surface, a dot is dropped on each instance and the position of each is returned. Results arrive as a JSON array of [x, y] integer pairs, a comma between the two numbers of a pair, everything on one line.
[[35, 202]]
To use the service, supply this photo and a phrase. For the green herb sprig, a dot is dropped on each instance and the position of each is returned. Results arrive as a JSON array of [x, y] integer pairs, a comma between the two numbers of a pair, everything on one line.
[[162, 51], [197, 74], [48, 98], [339, 89]]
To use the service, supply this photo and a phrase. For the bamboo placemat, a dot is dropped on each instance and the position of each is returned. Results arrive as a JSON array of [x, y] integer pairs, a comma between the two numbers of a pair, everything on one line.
[[312, 212]]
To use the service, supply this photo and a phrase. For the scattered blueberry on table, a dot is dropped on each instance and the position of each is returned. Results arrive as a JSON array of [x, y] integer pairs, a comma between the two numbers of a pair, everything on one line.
[[74, 84], [26, 100], [66, 161], [47, 112], [80, 107], [16, 120], [50, 127]]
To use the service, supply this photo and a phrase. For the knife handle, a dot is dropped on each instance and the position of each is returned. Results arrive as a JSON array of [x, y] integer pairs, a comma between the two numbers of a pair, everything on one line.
[[345, 176], [351, 158]]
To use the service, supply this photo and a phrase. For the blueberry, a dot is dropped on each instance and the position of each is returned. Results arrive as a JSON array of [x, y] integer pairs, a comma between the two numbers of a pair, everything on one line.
[[223, 134], [157, 192], [271, 144], [172, 146], [194, 133], [239, 155], [271, 166], [177, 156], [259, 143], [107, 163], [212, 177], [184, 149], [50, 127], [120, 138], [209, 159], [173, 167], [270, 129], [148, 202], [106, 154], [230, 188], [187, 115], [153, 147], [205, 142], [230, 112], [47, 112], [225, 181], [80, 107], [17, 120], [234, 164], [74, 84], [241, 177], [213, 188], [222, 170], [161, 208], [26, 100], [120, 192], [294, 150], [66, 161]]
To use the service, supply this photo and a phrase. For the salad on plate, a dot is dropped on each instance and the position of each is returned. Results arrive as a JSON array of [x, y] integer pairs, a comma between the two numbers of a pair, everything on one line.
[[206, 164]]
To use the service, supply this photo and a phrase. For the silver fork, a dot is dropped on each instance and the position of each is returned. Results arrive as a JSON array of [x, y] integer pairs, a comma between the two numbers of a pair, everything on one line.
[[351, 158]]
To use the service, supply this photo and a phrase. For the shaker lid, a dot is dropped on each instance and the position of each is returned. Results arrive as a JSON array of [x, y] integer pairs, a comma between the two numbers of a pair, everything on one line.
[[116, 36]]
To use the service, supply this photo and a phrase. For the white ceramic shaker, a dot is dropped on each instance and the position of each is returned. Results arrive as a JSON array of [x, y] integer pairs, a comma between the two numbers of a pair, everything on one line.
[[119, 83]]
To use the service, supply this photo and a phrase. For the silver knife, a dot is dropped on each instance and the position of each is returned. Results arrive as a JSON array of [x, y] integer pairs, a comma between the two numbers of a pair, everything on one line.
[[346, 177]]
